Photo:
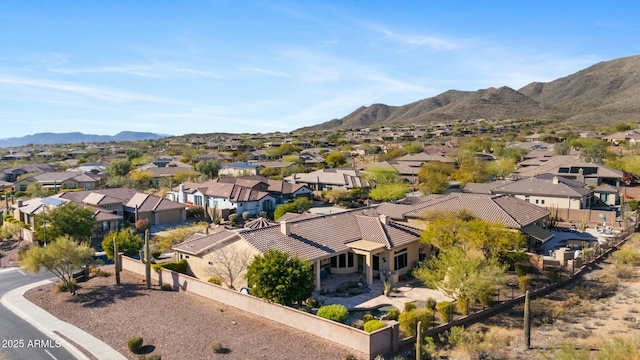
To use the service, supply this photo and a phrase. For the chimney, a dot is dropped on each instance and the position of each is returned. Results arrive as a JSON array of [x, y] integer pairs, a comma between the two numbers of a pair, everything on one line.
[[181, 197], [293, 179], [285, 227], [555, 180], [384, 218]]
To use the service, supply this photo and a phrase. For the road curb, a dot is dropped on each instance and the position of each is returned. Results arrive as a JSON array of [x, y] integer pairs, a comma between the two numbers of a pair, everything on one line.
[[15, 301]]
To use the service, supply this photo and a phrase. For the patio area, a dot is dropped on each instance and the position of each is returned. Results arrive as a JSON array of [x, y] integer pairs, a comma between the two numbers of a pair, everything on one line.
[[372, 296]]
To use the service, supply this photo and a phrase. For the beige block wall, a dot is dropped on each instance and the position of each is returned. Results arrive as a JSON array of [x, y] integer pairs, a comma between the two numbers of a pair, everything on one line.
[[201, 268], [379, 342]]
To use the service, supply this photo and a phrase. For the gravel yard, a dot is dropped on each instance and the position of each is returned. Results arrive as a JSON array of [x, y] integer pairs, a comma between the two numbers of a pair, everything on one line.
[[177, 325]]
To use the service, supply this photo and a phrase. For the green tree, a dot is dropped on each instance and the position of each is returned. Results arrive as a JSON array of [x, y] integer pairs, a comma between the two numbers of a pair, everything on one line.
[[470, 168], [61, 257], [128, 242], [381, 175], [299, 205], [433, 177], [461, 229], [501, 168], [335, 159], [132, 154], [413, 148], [462, 273], [209, 168], [278, 277], [392, 153], [562, 148], [335, 195], [389, 192], [68, 219], [35, 189], [118, 168]]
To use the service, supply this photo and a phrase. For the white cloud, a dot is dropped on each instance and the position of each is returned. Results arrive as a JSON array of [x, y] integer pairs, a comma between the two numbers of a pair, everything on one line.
[[414, 40], [111, 95]]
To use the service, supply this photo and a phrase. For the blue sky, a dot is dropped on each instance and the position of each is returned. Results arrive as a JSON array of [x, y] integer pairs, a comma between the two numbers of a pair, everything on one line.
[[178, 67]]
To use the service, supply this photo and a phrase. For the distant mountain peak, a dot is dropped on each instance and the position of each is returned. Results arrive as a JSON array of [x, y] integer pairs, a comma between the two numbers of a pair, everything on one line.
[[606, 92], [48, 138]]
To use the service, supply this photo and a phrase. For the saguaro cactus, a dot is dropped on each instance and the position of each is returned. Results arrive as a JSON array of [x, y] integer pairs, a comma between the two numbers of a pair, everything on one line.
[[419, 341], [527, 321], [147, 258]]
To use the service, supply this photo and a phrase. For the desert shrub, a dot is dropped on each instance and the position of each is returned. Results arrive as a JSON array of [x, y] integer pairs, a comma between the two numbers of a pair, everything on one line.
[[246, 215], [335, 312], [409, 320], [98, 272], [627, 256], [463, 305], [141, 225], [156, 254], [522, 269], [66, 286], [150, 357], [409, 306], [177, 266], [553, 274], [350, 357], [313, 303], [445, 311], [233, 219], [166, 287], [623, 271], [216, 347], [368, 317], [373, 325], [393, 314], [216, 280], [524, 282], [430, 304], [429, 348], [135, 344], [454, 336]]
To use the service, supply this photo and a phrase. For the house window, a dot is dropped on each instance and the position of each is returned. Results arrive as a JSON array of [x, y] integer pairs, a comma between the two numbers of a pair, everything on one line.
[[542, 201], [197, 200], [526, 198], [400, 259], [343, 261], [537, 201]]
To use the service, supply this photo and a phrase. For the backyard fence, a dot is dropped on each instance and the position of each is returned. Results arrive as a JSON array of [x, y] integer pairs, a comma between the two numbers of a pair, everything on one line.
[[384, 341]]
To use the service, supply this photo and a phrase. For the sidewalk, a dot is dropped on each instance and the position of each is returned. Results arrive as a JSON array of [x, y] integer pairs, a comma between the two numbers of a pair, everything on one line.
[[49, 325]]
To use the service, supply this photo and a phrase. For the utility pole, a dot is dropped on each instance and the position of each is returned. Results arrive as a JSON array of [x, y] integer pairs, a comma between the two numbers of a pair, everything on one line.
[[527, 321]]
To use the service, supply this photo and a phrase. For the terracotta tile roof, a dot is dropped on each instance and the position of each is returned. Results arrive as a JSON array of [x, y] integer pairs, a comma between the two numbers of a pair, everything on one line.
[[233, 190], [198, 244], [509, 211], [544, 186], [320, 237], [128, 197], [348, 178], [258, 223], [554, 165]]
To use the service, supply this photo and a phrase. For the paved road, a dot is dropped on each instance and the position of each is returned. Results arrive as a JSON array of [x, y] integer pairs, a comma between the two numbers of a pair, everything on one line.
[[19, 339]]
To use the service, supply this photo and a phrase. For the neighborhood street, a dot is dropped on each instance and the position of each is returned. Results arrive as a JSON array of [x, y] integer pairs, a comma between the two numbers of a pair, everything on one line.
[[19, 339]]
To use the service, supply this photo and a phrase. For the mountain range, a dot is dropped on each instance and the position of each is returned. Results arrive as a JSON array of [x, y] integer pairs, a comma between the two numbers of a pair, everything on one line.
[[605, 93], [76, 137]]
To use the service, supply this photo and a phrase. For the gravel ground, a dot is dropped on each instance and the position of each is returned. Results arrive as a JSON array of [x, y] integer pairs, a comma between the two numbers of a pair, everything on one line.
[[177, 325]]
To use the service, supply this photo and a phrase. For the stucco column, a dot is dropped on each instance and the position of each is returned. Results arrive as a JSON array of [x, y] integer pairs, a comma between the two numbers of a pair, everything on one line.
[[368, 267], [318, 279]]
